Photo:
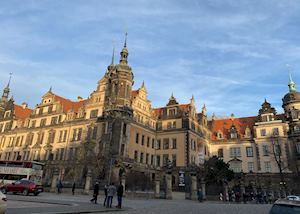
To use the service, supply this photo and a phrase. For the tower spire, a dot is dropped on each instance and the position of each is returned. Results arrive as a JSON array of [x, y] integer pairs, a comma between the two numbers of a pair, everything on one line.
[[113, 55], [124, 52], [6, 90], [125, 42]]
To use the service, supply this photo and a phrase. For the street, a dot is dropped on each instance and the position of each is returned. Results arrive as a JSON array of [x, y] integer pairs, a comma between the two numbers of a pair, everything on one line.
[[65, 203]]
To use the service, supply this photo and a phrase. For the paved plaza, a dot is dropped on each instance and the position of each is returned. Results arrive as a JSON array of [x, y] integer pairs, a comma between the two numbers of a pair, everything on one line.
[[64, 203]]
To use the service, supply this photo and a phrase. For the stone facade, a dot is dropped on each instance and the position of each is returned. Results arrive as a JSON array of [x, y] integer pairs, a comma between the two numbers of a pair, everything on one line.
[[114, 128]]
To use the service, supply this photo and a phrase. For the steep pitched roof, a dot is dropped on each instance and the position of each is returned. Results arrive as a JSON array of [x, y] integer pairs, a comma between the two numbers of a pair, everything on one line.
[[183, 108], [21, 113], [68, 104], [224, 125], [134, 93]]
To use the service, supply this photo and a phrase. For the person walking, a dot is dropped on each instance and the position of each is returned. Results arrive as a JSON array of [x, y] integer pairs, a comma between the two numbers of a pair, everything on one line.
[[59, 186], [73, 188], [105, 195], [110, 194], [96, 193], [120, 192], [200, 195]]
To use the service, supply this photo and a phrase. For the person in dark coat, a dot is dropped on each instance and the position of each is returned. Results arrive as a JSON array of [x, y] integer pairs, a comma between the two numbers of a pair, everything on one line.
[[96, 193], [105, 194], [120, 192], [73, 188], [59, 186]]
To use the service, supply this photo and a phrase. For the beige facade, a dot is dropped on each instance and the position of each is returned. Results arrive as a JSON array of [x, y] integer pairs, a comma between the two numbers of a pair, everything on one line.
[[56, 129]]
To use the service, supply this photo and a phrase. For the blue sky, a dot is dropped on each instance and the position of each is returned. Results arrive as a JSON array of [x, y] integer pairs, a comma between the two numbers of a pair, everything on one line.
[[229, 54]]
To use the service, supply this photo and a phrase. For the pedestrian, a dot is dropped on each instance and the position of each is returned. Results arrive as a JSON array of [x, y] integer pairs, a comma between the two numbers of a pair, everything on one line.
[[73, 188], [59, 186], [105, 194], [200, 195], [95, 193], [120, 192], [110, 194]]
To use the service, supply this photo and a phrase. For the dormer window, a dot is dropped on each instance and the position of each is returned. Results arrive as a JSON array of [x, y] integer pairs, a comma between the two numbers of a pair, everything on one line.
[[220, 135], [172, 112], [247, 133], [233, 132], [7, 114]]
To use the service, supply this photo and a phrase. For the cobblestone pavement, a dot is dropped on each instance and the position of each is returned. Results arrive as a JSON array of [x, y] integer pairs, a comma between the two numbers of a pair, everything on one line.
[[65, 203]]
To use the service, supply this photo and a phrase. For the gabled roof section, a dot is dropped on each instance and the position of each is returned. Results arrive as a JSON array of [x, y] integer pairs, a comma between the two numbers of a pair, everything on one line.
[[224, 125], [68, 104], [21, 113]]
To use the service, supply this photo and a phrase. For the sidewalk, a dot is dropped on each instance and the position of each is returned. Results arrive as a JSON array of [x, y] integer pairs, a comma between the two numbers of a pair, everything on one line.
[[61, 204]]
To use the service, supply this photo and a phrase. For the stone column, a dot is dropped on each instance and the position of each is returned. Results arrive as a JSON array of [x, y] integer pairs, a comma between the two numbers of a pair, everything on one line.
[[203, 188], [193, 187], [54, 180], [169, 185], [157, 186], [88, 181]]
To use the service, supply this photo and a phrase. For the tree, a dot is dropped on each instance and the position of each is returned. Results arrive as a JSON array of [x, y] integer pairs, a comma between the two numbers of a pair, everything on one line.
[[216, 171], [279, 158]]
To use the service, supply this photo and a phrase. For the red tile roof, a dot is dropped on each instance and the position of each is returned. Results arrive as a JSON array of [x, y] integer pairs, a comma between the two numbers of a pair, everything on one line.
[[224, 125], [21, 113], [68, 104], [182, 107], [134, 93]]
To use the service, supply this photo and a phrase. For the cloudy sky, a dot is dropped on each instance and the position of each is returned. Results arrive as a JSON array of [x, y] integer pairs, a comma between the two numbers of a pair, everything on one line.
[[229, 54]]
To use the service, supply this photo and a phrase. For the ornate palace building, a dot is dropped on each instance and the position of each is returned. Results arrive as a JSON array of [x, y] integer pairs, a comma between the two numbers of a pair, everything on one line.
[[117, 128], [115, 125]]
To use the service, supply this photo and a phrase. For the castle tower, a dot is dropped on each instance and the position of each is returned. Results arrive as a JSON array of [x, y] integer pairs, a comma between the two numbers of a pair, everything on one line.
[[121, 82], [291, 106]]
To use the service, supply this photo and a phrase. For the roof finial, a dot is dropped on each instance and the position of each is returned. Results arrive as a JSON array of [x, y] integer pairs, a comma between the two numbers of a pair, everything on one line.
[[292, 85], [143, 84], [8, 84], [50, 89], [125, 43], [113, 54]]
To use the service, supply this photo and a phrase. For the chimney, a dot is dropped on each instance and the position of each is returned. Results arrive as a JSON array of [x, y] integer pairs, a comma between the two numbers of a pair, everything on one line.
[[24, 105], [79, 99]]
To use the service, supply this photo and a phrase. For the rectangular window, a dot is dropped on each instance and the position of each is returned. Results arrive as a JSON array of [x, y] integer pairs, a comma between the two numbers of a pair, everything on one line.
[[50, 109], [268, 166], [62, 152], [174, 160], [54, 120], [165, 159], [235, 152], [263, 132], [265, 150], [250, 166], [94, 113], [147, 158], [143, 140], [158, 160], [95, 130], [158, 144], [152, 143], [79, 134], [148, 141], [152, 159], [65, 136], [275, 131], [33, 124], [43, 122], [137, 138], [249, 151], [174, 143], [142, 158], [220, 153], [136, 156], [166, 143]]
